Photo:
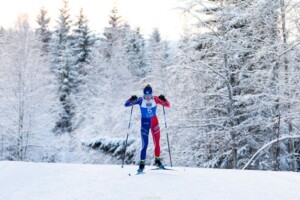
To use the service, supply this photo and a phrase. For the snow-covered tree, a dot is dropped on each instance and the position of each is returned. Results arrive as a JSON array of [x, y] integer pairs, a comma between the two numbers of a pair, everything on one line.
[[82, 44], [26, 95], [135, 49], [237, 52], [83, 40], [113, 47], [62, 66], [112, 34], [43, 30]]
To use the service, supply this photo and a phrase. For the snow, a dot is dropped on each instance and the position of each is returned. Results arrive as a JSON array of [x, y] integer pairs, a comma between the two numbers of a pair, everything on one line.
[[46, 181]]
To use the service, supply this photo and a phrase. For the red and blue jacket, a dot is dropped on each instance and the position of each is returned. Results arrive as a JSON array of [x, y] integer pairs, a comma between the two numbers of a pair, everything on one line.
[[148, 108]]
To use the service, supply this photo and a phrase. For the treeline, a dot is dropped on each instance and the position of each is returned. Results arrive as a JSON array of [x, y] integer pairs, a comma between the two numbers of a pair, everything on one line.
[[57, 81], [233, 84]]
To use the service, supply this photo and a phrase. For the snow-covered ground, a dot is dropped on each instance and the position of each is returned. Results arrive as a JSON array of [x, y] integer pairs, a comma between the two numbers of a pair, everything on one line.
[[43, 181]]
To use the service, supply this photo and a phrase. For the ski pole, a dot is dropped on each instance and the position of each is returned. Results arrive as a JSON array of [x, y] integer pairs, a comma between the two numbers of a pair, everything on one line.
[[167, 136], [127, 137]]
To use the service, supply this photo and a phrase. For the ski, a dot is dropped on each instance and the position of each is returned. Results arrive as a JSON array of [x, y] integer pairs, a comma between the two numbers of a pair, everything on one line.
[[143, 172], [138, 173], [163, 169]]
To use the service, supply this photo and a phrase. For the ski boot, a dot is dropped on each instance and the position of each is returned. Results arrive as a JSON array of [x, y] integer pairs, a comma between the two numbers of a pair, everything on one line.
[[141, 167], [159, 164]]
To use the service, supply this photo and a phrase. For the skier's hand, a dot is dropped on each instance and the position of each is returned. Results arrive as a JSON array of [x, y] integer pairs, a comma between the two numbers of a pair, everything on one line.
[[133, 98], [162, 97]]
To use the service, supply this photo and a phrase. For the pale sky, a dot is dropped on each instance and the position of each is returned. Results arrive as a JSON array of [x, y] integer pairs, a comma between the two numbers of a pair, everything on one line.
[[146, 14]]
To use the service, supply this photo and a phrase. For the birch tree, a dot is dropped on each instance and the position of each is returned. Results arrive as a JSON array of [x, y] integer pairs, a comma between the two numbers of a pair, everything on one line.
[[25, 94]]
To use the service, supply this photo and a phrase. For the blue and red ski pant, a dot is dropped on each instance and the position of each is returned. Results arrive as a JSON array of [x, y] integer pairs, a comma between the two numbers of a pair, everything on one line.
[[146, 125]]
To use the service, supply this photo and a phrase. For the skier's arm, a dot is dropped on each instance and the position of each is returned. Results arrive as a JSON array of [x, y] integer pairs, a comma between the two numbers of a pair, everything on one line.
[[133, 101], [162, 101]]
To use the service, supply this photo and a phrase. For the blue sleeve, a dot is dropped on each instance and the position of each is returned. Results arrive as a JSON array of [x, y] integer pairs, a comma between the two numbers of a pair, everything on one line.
[[130, 103]]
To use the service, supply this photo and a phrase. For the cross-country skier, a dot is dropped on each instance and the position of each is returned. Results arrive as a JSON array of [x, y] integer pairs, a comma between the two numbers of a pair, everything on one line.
[[149, 120]]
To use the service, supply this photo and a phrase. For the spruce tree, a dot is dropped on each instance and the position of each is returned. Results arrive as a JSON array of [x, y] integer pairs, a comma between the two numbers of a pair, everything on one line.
[[82, 46], [112, 34], [62, 66], [43, 31], [83, 41]]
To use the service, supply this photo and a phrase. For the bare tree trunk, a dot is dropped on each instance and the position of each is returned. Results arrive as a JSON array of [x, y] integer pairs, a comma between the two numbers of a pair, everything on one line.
[[20, 116], [234, 150], [276, 90], [291, 148], [20, 136], [27, 137], [277, 148], [231, 113]]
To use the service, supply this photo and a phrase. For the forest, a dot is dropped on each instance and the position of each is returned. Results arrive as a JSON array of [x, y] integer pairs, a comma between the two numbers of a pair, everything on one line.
[[232, 79]]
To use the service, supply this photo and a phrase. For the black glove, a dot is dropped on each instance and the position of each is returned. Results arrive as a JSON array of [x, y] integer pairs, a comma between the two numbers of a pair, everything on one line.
[[133, 98], [162, 97]]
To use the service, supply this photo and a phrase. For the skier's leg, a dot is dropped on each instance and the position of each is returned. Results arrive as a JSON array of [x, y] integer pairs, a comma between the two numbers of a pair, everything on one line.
[[156, 139], [145, 126], [156, 136]]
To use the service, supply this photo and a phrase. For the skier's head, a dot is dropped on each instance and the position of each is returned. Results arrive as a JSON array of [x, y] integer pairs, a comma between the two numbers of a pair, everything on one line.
[[148, 92]]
